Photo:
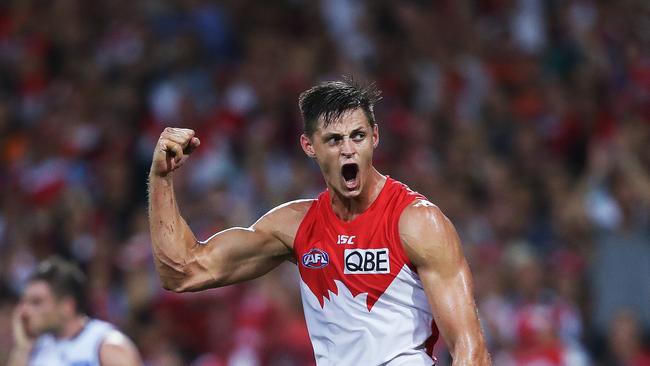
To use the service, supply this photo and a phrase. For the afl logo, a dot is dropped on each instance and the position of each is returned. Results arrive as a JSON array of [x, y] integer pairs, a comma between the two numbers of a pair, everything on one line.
[[315, 258]]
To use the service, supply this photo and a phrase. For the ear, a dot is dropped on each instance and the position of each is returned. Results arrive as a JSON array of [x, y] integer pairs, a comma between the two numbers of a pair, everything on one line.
[[307, 146], [375, 136]]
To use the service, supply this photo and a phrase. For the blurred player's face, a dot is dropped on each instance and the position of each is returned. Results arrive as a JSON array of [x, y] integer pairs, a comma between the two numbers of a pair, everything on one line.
[[42, 311], [343, 150]]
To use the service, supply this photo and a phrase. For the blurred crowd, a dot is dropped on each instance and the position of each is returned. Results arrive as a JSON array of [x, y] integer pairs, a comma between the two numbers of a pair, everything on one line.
[[526, 121]]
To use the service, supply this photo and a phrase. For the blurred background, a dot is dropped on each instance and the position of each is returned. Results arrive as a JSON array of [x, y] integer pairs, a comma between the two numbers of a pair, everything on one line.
[[526, 121]]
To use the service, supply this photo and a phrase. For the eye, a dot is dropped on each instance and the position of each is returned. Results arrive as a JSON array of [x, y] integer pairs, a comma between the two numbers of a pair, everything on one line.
[[35, 301], [332, 141], [358, 136]]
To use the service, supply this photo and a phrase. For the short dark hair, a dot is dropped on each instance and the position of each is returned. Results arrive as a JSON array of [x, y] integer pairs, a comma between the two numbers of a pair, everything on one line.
[[64, 278], [331, 99]]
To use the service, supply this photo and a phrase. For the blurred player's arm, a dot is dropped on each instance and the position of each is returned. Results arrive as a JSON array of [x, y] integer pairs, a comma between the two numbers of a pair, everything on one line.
[[633, 170], [23, 343], [118, 350], [230, 256], [433, 246]]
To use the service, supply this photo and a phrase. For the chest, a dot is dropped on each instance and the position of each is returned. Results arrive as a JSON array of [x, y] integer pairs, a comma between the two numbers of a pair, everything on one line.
[[368, 246], [81, 350], [52, 353], [363, 256]]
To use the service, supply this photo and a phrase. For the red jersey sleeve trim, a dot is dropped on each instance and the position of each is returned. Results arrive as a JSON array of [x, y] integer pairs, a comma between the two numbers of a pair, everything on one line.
[[301, 234]]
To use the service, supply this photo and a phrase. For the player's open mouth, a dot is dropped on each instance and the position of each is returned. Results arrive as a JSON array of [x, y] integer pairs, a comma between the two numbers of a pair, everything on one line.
[[350, 174]]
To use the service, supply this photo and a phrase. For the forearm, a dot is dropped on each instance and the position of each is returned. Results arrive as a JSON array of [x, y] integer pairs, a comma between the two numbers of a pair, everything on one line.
[[19, 356], [171, 237], [468, 347], [470, 355], [636, 174]]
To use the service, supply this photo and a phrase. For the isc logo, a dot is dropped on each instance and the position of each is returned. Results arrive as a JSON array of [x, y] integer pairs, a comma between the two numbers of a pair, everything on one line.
[[366, 261], [315, 258], [345, 239]]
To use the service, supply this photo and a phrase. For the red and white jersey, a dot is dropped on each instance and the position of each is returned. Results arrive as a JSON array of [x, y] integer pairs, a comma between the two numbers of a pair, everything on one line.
[[364, 302]]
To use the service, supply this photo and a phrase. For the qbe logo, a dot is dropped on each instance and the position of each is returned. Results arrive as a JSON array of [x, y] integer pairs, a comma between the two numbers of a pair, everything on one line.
[[366, 261], [315, 258]]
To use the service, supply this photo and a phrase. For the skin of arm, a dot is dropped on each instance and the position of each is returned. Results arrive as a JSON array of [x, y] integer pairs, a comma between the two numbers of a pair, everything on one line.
[[118, 350], [230, 256], [634, 171], [23, 343], [19, 357], [432, 244]]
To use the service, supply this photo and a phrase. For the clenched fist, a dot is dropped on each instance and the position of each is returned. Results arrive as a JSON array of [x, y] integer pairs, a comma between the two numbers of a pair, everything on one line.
[[172, 150]]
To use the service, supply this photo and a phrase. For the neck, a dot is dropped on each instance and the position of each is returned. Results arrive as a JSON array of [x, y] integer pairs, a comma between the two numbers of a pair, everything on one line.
[[348, 208], [72, 327]]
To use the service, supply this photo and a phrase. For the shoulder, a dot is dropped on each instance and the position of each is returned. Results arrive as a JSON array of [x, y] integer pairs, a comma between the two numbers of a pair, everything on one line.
[[284, 220], [295, 207], [427, 234], [422, 214], [115, 339], [288, 212], [117, 349]]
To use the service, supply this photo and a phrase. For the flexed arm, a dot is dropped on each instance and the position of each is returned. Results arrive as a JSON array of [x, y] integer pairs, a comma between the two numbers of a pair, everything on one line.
[[234, 255], [432, 244]]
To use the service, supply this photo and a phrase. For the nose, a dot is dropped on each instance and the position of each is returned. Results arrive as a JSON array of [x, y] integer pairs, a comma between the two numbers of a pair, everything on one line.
[[347, 148]]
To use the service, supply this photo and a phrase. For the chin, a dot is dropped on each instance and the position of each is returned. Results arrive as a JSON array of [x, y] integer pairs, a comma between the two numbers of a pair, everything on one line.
[[350, 193], [34, 332]]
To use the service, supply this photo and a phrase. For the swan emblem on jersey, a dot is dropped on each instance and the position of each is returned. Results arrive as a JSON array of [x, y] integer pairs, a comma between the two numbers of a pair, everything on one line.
[[315, 258]]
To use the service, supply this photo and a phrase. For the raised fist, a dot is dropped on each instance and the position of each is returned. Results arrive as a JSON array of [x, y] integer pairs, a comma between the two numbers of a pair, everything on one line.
[[172, 150]]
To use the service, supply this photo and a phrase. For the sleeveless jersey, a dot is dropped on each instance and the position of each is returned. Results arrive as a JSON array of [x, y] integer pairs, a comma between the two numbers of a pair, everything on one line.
[[363, 300], [81, 350]]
